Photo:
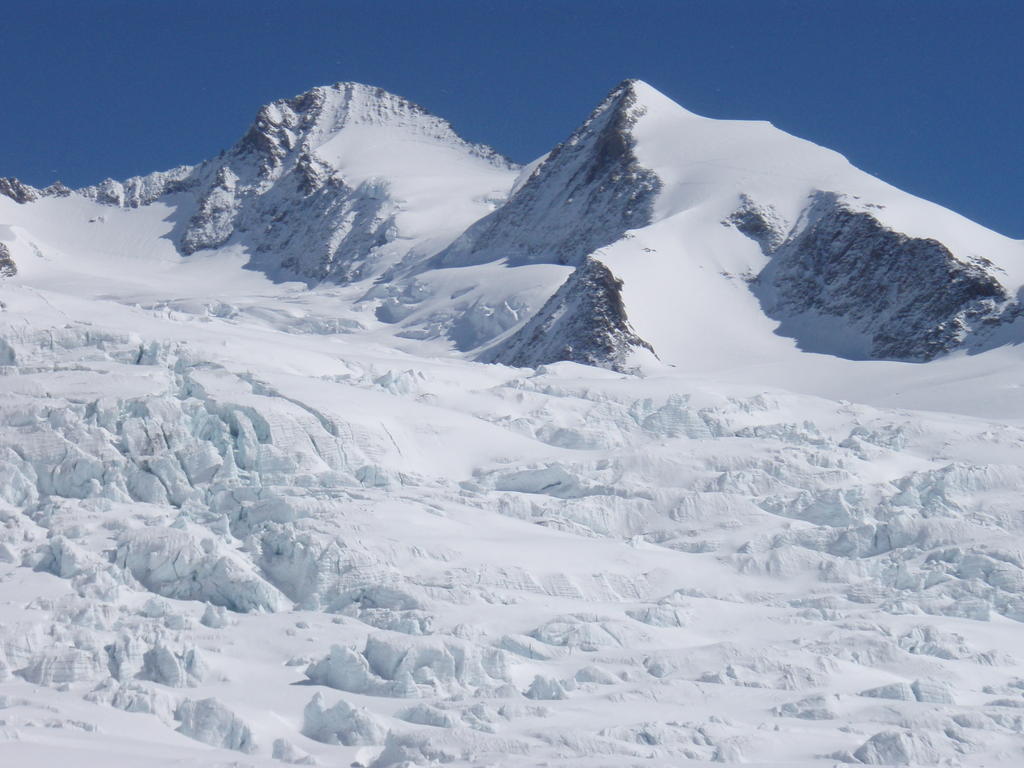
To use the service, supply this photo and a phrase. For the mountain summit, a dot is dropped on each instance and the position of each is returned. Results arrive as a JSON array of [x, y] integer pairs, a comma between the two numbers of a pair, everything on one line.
[[321, 184], [585, 194]]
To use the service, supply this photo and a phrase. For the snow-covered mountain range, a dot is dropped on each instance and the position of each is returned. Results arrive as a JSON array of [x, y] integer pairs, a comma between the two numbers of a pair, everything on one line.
[[348, 182], [687, 442]]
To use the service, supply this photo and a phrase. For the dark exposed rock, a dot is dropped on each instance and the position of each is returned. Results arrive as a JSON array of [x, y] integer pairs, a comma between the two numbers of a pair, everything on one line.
[[213, 223], [18, 191], [586, 194], [898, 297], [759, 223], [583, 322], [57, 189], [7, 266], [22, 193]]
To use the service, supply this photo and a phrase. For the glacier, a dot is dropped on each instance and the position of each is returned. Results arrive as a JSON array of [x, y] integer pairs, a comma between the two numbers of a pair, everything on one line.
[[688, 443]]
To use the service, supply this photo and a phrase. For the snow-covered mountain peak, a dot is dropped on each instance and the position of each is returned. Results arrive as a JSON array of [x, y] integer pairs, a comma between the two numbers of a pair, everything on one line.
[[335, 106], [315, 120], [845, 263], [718, 164], [677, 204], [585, 194], [639, 96], [336, 184], [701, 160], [347, 182]]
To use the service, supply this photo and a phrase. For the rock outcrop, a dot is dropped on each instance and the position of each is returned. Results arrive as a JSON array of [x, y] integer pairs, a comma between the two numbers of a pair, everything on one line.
[[7, 266], [584, 322], [584, 195], [885, 294]]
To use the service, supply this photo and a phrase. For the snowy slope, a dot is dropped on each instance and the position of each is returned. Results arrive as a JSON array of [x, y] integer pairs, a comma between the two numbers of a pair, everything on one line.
[[246, 521]]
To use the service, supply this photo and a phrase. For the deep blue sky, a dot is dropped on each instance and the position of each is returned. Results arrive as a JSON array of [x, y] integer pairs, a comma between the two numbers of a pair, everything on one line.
[[927, 94]]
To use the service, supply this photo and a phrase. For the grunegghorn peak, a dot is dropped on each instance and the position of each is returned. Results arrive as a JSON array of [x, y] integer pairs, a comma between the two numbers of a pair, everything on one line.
[[369, 174], [320, 113]]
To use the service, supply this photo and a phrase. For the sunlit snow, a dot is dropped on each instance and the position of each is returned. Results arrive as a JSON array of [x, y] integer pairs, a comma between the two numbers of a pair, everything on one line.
[[248, 519]]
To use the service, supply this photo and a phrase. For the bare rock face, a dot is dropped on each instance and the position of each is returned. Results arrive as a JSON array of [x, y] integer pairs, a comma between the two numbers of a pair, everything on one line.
[[586, 194], [57, 189], [22, 193], [18, 191], [893, 296], [7, 266], [584, 322]]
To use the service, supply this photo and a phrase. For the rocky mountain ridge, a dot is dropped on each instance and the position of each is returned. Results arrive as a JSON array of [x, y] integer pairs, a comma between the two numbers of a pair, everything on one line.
[[281, 193], [585, 194], [349, 183]]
